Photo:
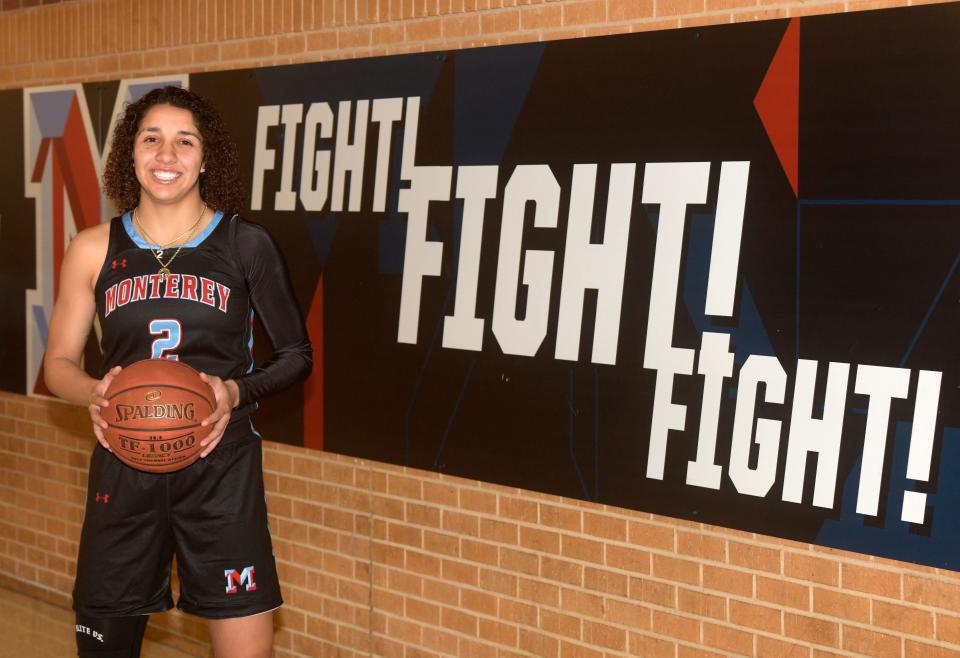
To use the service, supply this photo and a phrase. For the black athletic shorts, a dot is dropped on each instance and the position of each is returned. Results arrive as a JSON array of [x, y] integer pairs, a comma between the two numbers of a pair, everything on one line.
[[212, 514]]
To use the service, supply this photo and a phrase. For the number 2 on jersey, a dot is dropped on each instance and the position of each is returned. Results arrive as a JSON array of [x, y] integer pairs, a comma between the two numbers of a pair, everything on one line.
[[168, 332]]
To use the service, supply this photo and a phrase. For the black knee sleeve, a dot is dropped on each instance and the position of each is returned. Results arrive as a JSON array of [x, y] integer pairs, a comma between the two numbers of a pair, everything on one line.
[[114, 637]]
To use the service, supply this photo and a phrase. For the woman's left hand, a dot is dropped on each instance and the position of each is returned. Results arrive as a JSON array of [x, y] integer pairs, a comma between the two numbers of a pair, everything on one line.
[[227, 394]]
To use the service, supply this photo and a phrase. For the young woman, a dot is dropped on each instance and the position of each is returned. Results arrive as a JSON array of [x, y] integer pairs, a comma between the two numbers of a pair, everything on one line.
[[176, 276]]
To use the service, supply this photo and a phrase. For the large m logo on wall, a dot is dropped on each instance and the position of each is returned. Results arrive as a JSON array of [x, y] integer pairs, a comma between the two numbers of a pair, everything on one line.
[[63, 161]]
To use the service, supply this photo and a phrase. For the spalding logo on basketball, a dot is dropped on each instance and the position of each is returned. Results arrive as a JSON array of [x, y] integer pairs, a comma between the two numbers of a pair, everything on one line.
[[154, 415]]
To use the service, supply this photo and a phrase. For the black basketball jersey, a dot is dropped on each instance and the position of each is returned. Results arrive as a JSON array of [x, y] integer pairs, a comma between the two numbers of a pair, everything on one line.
[[202, 312]]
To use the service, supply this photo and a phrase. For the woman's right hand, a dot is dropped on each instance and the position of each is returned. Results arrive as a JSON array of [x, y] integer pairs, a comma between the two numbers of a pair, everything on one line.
[[99, 401]]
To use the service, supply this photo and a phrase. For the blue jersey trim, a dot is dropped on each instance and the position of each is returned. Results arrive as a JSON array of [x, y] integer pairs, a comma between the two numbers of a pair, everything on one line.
[[143, 244]]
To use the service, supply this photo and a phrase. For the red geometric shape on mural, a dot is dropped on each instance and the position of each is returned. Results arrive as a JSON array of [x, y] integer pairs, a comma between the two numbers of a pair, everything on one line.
[[313, 387], [80, 176], [778, 102], [40, 386]]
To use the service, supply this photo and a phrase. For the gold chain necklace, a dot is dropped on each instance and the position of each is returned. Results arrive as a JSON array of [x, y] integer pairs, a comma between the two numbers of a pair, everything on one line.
[[164, 270]]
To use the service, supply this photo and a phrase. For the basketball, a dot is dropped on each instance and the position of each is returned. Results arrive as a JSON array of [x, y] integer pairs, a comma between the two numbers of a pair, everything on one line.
[[154, 415]]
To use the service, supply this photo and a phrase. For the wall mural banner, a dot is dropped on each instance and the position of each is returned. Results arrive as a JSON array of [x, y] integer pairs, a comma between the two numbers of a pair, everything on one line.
[[708, 273]]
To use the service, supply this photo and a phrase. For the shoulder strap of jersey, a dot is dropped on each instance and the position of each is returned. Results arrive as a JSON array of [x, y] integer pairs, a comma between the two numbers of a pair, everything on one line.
[[117, 241]]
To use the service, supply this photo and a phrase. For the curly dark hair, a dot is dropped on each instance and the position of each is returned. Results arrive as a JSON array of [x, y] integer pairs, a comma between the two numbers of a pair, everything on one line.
[[220, 186]]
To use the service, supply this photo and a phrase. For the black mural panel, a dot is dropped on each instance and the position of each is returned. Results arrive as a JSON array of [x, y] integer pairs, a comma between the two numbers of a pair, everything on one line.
[[708, 273]]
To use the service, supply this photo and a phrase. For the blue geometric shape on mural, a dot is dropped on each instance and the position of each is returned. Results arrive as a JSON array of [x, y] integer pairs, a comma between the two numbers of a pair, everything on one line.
[[894, 538], [51, 109]]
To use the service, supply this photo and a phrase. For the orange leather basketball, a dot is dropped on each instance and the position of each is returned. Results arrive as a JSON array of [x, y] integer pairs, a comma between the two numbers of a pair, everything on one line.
[[154, 415]]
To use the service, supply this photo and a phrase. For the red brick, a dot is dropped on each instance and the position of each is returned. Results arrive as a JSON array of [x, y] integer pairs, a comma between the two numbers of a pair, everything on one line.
[[813, 10], [651, 647], [633, 615], [476, 551], [496, 631], [518, 509], [519, 561], [870, 643], [539, 591], [582, 603], [919, 650], [651, 591], [322, 40], [811, 629], [705, 547], [437, 542], [679, 7], [629, 559], [905, 619], [540, 17], [427, 565], [588, 11], [608, 582], [560, 517], [544, 541], [682, 628], [459, 572], [760, 558], [479, 602], [630, 10], [808, 567], [391, 33], [649, 534], [668, 568], [604, 526], [289, 44], [756, 616], [701, 604], [459, 621], [501, 532], [482, 502], [937, 593], [421, 611], [728, 639], [603, 635], [571, 650], [538, 644], [686, 651], [728, 580], [781, 592], [870, 580], [558, 623], [519, 612], [460, 523], [768, 646], [838, 604], [505, 21], [561, 570], [461, 26], [948, 629], [577, 548]]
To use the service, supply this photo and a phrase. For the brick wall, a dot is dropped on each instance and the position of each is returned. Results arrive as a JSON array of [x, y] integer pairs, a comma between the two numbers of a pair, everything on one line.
[[386, 561]]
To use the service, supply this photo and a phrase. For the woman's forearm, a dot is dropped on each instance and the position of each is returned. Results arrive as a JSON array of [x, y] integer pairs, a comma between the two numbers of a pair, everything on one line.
[[67, 380]]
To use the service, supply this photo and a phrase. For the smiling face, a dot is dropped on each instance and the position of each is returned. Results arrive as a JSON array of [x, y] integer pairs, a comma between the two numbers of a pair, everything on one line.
[[168, 156]]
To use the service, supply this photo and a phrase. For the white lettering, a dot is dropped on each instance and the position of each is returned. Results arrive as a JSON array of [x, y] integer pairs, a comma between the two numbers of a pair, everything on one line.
[[756, 481], [672, 185], [463, 329], [809, 434], [421, 257], [597, 266], [263, 157], [349, 155], [316, 162], [535, 184]]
